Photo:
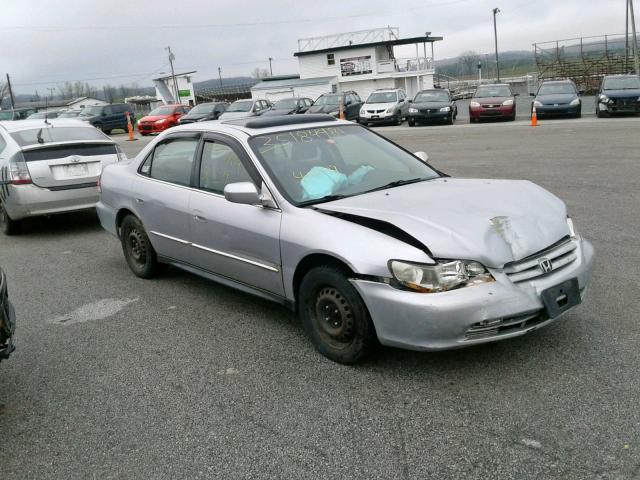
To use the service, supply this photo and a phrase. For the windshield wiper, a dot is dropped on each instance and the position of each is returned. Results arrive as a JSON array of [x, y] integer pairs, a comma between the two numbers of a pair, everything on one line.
[[397, 183], [326, 198], [39, 136]]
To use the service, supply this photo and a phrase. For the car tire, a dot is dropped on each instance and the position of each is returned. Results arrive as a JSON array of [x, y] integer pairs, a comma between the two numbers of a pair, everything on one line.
[[411, 122], [346, 334], [138, 251], [106, 132], [99, 127], [398, 120], [7, 225], [450, 120]]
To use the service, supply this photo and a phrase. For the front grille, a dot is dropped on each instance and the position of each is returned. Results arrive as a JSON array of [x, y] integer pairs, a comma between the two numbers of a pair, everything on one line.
[[489, 105], [375, 111], [559, 255], [503, 326], [429, 110], [625, 101]]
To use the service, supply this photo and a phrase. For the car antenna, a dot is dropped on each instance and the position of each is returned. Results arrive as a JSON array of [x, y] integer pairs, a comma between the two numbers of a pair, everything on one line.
[[46, 109]]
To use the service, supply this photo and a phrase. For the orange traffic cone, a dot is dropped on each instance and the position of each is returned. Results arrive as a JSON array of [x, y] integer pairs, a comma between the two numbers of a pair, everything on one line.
[[130, 128], [341, 115], [534, 117]]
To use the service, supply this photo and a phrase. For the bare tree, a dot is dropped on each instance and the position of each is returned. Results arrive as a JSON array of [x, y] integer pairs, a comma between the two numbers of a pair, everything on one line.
[[260, 73], [468, 62]]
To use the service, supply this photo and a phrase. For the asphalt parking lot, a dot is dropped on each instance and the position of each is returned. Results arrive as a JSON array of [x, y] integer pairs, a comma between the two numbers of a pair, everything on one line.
[[118, 377]]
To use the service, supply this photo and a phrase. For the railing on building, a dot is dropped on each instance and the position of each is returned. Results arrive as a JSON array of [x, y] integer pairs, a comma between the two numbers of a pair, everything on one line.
[[408, 65], [346, 39]]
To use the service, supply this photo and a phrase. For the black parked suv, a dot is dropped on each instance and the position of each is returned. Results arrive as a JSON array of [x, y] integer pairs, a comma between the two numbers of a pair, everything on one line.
[[330, 103], [108, 117], [7, 320], [203, 112], [618, 94]]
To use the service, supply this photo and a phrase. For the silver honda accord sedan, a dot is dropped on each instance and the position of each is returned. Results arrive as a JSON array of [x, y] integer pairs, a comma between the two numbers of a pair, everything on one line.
[[365, 240]]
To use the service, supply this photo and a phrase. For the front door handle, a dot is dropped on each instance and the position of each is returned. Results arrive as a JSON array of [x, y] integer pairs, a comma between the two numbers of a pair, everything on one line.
[[139, 200], [199, 218]]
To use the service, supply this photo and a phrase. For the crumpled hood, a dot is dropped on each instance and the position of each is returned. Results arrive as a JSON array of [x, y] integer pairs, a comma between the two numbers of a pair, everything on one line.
[[323, 108], [232, 115], [490, 221], [153, 118], [629, 92], [559, 98]]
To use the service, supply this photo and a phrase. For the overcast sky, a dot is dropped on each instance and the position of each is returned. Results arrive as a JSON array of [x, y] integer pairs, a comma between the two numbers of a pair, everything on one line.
[[116, 41]]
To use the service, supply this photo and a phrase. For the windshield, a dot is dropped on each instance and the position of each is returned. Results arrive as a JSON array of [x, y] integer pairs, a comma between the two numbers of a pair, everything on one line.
[[432, 96], [621, 83], [328, 100], [556, 88], [244, 106], [89, 111], [203, 108], [493, 91], [46, 134], [285, 104], [382, 97], [162, 111], [310, 165]]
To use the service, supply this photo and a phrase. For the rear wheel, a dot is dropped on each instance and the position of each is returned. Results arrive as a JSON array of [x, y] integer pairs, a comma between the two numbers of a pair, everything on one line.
[[7, 225], [138, 251], [398, 120], [411, 122], [334, 316]]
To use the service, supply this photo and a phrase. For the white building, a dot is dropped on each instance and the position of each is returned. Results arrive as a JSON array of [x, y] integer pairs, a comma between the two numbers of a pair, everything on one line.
[[362, 61], [166, 89], [83, 102]]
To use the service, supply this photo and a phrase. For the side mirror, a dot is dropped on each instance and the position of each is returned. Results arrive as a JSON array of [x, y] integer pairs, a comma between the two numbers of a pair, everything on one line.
[[242, 192], [422, 156], [532, 94], [580, 92], [516, 94], [410, 101]]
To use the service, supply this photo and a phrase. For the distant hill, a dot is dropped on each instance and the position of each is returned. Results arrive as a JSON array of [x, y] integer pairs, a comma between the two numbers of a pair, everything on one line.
[[513, 62], [226, 82]]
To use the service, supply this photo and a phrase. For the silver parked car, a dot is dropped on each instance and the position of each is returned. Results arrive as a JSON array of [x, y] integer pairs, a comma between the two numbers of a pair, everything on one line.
[[245, 108], [50, 167], [364, 239]]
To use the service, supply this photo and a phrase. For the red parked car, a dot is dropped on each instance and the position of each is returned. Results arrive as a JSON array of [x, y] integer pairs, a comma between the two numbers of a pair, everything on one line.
[[161, 118], [493, 101]]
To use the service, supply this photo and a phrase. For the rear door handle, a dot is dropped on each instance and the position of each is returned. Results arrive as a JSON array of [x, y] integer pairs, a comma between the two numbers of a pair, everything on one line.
[[199, 218]]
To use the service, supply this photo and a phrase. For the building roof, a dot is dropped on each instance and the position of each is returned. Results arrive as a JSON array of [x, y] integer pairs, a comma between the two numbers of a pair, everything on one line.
[[293, 82], [382, 43], [177, 75], [81, 99]]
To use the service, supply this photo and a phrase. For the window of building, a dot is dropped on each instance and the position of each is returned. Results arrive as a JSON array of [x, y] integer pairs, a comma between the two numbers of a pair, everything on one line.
[[331, 60]]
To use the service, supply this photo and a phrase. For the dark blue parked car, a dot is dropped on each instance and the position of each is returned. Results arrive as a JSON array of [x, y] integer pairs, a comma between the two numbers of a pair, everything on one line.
[[618, 94]]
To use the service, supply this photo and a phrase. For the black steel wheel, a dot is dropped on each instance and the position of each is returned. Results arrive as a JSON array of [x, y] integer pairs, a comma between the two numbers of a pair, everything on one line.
[[7, 225], [334, 315], [138, 251]]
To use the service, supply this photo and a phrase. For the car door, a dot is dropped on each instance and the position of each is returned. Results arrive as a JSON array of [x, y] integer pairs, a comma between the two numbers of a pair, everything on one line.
[[240, 242], [162, 191]]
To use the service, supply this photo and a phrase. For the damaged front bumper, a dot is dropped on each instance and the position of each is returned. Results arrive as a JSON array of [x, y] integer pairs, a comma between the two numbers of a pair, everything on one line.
[[470, 315]]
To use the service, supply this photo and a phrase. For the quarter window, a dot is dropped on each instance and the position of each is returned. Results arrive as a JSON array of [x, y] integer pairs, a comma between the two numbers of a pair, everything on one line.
[[220, 166], [173, 161]]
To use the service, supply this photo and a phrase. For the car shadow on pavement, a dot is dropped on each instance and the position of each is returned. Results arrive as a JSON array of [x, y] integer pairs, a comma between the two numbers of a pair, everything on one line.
[[62, 224]]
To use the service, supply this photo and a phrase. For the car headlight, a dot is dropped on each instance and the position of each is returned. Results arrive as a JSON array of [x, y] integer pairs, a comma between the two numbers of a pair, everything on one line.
[[474, 104], [603, 98], [506, 103], [362, 112], [445, 109], [572, 229], [391, 109], [442, 276], [575, 101], [537, 103], [413, 110], [158, 122]]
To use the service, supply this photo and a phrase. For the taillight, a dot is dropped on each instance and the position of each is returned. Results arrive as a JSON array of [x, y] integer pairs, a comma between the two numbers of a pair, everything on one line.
[[18, 171], [121, 155]]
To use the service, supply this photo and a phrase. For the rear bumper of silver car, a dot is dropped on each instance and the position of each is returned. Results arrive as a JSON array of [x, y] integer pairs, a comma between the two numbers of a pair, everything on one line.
[[30, 200], [470, 315]]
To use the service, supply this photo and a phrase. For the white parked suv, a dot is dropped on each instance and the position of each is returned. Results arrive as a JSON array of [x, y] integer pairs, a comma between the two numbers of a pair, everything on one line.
[[385, 106]]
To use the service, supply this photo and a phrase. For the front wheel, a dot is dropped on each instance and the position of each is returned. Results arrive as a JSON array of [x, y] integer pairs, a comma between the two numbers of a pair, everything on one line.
[[138, 251], [7, 225], [411, 122], [334, 316]]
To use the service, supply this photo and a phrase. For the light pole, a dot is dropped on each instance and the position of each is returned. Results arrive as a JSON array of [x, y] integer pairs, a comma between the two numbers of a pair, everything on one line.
[[495, 34], [172, 57], [270, 69]]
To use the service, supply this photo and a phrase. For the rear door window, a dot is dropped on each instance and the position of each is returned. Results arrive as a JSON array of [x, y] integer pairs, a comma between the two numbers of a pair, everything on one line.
[[172, 161]]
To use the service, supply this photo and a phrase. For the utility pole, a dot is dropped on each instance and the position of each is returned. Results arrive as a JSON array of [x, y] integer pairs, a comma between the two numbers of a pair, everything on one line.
[[270, 69], [172, 57], [13, 100], [634, 39], [626, 36], [51, 89], [495, 34]]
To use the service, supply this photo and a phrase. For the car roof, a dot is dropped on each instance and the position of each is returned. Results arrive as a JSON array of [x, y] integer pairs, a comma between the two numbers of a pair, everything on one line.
[[19, 125], [265, 125]]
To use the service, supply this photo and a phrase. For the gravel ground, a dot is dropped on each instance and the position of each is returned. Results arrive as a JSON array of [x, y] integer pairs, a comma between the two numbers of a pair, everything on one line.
[[118, 377]]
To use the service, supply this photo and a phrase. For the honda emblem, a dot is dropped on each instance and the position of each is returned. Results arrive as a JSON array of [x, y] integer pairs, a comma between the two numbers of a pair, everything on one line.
[[75, 158], [545, 265]]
